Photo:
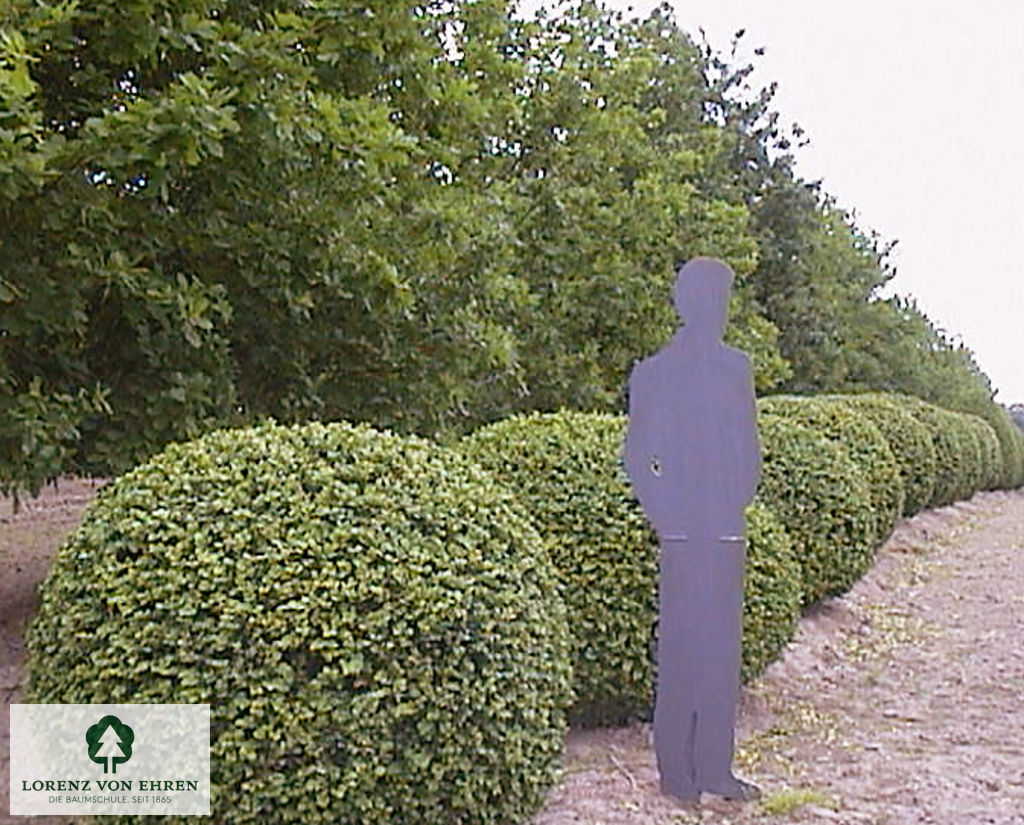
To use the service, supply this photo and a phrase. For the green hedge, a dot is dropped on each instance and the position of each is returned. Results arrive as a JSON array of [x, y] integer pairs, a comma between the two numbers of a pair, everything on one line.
[[822, 497], [1015, 462], [990, 463], [910, 442], [566, 467], [837, 472], [949, 448], [968, 460], [994, 455], [864, 444], [972, 459], [772, 590], [970, 471], [1011, 446], [372, 619], [985, 471]]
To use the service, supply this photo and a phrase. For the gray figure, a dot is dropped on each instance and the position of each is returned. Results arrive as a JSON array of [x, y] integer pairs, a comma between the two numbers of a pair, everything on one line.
[[693, 456]]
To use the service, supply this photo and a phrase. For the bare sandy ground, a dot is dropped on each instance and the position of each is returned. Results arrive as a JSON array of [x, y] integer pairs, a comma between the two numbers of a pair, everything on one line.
[[901, 702], [28, 540]]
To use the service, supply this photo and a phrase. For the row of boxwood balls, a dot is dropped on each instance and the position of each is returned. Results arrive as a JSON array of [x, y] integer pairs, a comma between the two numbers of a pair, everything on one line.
[[389, 631]]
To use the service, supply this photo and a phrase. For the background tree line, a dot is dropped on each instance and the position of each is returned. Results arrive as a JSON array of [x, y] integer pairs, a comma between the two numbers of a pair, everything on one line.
[[426, 215]]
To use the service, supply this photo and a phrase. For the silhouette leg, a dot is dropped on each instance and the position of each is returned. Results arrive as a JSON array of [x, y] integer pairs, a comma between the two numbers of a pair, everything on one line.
[[700, 616], [715, 736], [675, 707]]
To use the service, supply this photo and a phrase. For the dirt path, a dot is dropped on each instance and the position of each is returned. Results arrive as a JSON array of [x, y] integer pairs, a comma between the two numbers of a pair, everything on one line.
[[902, 702], [28, 540]]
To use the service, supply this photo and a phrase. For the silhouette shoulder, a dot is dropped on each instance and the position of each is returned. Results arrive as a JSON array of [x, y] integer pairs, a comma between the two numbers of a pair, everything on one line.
[[737, 359], [651, 364]]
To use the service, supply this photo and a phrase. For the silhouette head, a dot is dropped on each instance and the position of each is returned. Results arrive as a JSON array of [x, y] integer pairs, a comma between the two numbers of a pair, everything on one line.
[[702, 297]]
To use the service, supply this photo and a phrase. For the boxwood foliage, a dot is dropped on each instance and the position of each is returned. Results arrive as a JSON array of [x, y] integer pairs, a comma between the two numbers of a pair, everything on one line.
[[974, 475], [950, 450], [1018, 461], [822, 497], [1015, 461], [864, 444], [990, 463], [372, 619], [772, 590], [1011, 446], [910, 442], [567, 469], [993, 454]]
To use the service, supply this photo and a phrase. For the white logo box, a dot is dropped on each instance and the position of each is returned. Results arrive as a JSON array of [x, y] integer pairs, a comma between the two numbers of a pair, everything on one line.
[[85, 760]]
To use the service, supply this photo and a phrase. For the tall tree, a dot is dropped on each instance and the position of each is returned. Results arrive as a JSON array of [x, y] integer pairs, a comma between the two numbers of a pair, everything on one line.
[[423, 214], [212, 208]]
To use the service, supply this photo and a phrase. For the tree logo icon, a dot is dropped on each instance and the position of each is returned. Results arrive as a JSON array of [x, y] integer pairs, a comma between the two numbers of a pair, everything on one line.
[[110, 743]]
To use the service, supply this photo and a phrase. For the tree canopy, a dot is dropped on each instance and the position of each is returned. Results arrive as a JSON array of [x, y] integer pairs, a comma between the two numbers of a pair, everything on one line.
[[425, 215]]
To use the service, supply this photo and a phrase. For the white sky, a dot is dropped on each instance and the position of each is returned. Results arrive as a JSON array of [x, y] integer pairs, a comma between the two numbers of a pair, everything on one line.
[[915, 112]]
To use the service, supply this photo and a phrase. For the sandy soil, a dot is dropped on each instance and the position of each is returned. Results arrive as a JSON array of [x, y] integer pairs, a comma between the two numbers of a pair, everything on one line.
[[901, 702], [28, 539]]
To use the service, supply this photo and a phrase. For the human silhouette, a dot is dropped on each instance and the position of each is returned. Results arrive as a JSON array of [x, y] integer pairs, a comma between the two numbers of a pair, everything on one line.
[[693, 456]]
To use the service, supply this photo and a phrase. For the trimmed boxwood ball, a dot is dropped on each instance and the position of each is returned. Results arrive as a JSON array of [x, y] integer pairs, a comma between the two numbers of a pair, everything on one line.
[[864, 444], [1016, 460], [986, 450], [1018, 475], [372, 619], [941, 424], [974, 460], [967, 455], [821, 496], [566, 469], [910, 442], [1011, 446], [993, 456], [772, 591]]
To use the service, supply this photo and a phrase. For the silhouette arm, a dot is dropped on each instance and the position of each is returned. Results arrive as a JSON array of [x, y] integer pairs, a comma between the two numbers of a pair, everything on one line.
[[752, 443]]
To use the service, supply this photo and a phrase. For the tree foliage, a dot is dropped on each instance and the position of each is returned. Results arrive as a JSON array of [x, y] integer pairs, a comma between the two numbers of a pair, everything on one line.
[[426, 215]]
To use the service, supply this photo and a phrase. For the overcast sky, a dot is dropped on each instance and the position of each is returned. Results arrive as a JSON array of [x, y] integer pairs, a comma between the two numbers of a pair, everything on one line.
[[915, 112]]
